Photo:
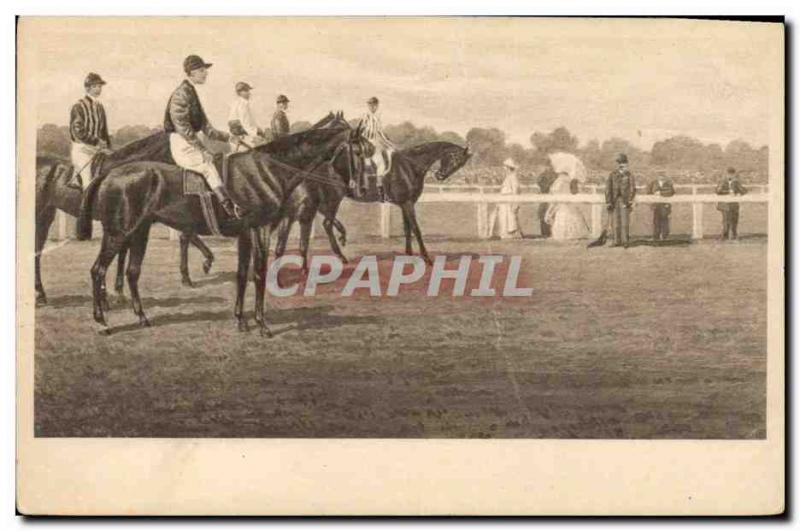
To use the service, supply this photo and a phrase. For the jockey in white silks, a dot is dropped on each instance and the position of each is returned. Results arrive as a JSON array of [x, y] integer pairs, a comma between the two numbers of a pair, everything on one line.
[[241, 121], [372, 131], [505, 215]]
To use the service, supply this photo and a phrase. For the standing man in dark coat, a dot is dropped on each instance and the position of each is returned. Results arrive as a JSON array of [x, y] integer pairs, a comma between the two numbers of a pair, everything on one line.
[[280, 123], [545, 181], [661, 186], [730, 185], [184, 119], [88, 128], [620, 191]]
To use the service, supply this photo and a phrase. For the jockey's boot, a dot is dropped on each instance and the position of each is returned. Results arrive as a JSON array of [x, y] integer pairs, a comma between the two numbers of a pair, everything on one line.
[[226, 202]]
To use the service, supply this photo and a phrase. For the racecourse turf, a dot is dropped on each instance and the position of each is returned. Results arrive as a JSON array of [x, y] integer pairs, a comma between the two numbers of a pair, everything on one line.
[[648, 342]]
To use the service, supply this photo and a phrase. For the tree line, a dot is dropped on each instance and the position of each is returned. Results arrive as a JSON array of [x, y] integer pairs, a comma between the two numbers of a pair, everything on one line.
[[683, 157]]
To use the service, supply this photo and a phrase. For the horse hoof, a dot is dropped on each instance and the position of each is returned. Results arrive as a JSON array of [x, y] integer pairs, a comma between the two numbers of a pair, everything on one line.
[[343, 240], [207, 266], [41, 299], [104, 332], [242, 326], [265, 332], [144, 322], [100, 319], [187, 282]]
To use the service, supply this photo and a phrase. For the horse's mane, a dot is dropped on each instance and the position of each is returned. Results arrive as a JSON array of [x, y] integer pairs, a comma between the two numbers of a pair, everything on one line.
[[291, 142], [147, 144]]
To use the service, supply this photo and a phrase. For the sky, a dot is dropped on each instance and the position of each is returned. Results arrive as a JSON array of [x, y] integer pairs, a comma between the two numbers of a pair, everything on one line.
[[642, 82]]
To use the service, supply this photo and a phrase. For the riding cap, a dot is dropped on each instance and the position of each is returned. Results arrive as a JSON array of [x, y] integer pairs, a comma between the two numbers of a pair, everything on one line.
[[282, 99], [373, 99], [731, 170], [622, 158], [193, 62], [509, 163], [241, 85], [93, 79]]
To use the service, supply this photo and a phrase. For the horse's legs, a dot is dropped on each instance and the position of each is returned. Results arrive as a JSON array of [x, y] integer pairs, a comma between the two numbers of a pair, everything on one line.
[[186, 280], [119, 283], [283, 236], [195, 240], [44, 218], [328, 224], [408, 208], [305, 237], [407, 232], [342, 232], [138, 246], [245, 247], [260, 254], [108, 249]]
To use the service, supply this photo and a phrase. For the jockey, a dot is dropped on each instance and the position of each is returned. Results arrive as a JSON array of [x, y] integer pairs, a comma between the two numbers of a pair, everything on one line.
[[241, 121], [373, 132], [88, 129], [184, 118], [280, 123]]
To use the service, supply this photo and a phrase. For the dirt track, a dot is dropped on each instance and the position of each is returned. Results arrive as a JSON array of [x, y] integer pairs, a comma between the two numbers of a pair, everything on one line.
[[650, 342]]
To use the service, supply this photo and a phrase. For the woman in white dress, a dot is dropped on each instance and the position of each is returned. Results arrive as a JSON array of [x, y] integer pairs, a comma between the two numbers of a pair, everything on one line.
[[566, 219], [504, 216]]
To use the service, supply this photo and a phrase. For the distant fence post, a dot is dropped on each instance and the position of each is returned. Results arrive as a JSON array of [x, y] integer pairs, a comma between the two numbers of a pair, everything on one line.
[[386, 220], [62, 225], [597, 220], [173, 234], [697, 221]]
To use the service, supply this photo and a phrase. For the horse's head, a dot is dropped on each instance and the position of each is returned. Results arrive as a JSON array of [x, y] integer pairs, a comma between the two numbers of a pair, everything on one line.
[[452, 161]]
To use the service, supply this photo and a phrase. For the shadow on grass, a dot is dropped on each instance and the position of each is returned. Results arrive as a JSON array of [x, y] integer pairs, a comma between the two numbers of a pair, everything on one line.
[[70, 301], [307, 318]]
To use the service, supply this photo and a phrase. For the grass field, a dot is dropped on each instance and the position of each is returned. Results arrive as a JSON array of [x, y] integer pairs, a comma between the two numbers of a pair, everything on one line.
[[649, 342]]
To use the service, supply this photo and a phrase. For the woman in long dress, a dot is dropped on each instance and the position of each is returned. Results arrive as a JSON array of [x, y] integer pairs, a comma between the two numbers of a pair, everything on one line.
[[566, 219], [504, 216]]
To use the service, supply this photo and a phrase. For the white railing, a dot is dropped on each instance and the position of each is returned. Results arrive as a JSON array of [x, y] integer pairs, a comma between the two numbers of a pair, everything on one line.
[[596, 201], [483, 198]]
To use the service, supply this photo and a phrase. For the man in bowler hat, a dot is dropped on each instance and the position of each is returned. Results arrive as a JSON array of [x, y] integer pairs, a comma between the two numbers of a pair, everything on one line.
[[661, 186], [730, 185], [280, 123], [620, 191]]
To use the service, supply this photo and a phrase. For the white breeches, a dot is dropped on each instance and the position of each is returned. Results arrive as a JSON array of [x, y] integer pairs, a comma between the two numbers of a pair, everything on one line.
[[82, 155], [189, 157]]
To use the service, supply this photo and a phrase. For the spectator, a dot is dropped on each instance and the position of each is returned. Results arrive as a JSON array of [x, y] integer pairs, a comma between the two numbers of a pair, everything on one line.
[[730, 185], [661, 186]]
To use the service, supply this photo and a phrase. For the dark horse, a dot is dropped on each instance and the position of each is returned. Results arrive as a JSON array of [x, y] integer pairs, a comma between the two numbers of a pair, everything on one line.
[[405, 180], [53, 193], [134, 196]]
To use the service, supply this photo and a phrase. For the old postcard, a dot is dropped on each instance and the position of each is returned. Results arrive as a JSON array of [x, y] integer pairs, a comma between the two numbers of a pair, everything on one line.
[[453, 265]]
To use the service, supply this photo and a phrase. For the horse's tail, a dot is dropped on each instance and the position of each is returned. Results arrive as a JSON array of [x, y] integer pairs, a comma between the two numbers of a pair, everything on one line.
[[83, 227]]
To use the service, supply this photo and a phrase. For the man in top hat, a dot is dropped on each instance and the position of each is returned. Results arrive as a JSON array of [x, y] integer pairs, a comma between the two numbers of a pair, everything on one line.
[[184, 120], [372, 130], [620, 191], [88, 129], [730, 185], [661, 186], [241, 122], [280, 122]]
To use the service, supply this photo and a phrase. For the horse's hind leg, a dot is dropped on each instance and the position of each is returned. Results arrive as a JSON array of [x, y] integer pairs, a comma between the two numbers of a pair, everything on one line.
[[342, 231], [328, 225], [108, 249], [407, 233], [138, 246], [283, 236], [245, 246], [195, 240], [119, 282], [44, 219], [186, 280], [260, 254]]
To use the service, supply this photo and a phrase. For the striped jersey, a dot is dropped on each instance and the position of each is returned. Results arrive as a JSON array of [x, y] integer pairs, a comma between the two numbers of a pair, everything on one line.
[[87, 122]]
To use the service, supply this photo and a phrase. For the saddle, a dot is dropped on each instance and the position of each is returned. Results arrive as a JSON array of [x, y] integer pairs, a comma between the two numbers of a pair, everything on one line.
[[194, 184]]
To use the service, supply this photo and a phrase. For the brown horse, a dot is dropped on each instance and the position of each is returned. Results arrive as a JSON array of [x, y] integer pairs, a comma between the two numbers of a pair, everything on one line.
[[405, 181], [134, 196], [53, 175]]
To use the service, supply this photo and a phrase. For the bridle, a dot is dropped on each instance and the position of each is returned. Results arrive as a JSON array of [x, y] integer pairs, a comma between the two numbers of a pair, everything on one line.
[[308, 172]]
